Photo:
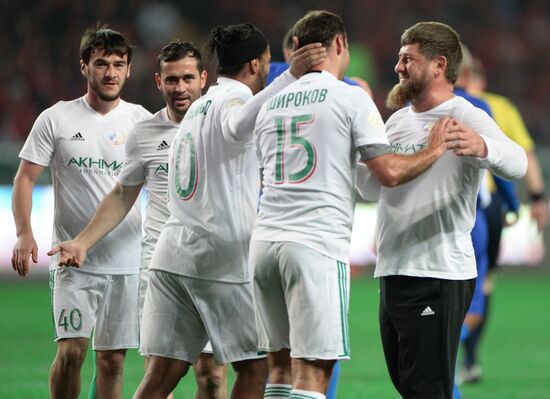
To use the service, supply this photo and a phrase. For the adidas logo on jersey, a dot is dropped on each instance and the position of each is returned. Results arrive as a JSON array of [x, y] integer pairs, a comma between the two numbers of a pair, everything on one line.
[[427, 312], [78, 137], [163, 146]]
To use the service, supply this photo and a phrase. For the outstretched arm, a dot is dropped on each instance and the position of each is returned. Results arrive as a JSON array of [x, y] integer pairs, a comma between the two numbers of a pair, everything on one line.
[[23, 186], [112, 210]]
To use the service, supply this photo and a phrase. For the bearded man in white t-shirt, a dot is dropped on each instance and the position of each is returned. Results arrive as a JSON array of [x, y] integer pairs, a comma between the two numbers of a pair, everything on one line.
[[83, 143], [310, 137], [180, 79], [426, 261]]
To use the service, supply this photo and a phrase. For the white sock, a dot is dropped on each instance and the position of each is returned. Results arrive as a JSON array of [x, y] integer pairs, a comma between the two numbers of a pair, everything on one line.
[[277, 391], [301, 394]]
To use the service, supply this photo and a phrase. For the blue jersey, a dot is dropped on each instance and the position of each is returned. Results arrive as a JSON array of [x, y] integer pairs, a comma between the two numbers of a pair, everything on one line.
[[480, 233], [277, 68]]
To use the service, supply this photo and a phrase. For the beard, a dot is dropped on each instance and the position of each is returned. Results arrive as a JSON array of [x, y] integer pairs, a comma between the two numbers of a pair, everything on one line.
[[96, 87], [404, 92]]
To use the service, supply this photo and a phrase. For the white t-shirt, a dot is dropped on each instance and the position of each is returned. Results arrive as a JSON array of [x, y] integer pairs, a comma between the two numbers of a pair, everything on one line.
[[146, 162], [308, 138], [423, 226], [85, 151], [213, 185]]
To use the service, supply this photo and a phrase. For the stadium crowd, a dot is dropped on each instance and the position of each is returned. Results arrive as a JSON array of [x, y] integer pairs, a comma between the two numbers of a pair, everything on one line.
[[41, 39]]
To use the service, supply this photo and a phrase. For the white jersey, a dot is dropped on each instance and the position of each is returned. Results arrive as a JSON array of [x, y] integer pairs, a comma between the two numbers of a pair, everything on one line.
[[423, 226], [213, 185], [213, 189], [85, 151], [146, 163], [308, 138]]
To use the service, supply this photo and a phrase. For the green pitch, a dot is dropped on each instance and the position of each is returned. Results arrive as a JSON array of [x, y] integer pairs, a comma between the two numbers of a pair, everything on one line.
[[515, 355]]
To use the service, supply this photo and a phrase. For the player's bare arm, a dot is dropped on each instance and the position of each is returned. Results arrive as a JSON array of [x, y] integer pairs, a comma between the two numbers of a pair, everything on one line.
[[464, 141], [23, 185], [112, 210], [394, 169]]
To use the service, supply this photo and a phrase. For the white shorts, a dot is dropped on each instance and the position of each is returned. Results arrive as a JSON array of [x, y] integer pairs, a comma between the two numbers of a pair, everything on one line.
[[104, 303], [143, 282], [180, 315], [301, 299]]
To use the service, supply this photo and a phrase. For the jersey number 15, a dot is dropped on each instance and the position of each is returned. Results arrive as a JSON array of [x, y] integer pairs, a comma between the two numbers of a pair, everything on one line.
[[295, 141]]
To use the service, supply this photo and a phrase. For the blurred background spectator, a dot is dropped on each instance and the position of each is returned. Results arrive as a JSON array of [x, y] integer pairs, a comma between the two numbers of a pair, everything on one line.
[[39, 42]]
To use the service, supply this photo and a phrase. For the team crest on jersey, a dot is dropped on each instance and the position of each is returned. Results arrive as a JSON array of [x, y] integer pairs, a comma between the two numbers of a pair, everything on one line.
[[118, 138], [375, 119], [428, 127], [234, 103]]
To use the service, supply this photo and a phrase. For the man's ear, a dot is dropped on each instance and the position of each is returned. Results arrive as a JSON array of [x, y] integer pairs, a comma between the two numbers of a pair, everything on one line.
[[441, 65], [340, 44], [295, 43], [254, 65], [83, 68], [157, 80], [203, 77]]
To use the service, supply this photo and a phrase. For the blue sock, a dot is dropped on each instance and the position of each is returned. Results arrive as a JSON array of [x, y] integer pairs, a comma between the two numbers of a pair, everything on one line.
[[456, 392], [333, 384], [464, 332]]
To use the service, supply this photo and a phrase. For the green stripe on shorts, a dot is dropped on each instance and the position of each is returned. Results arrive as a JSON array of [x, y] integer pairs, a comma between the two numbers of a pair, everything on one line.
[[342, 289]]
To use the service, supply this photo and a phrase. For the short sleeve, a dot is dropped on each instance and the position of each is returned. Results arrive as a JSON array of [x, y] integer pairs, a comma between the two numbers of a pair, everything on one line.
[[367, 125], [134, 170], [366, 184], [40, 143]]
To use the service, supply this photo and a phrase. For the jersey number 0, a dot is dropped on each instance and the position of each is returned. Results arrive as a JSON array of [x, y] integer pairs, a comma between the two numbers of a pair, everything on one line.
[[186, 185]]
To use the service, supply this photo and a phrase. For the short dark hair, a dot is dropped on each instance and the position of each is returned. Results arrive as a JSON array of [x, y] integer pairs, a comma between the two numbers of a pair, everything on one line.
[[176, 50], [223, 40], [288, 41], [318, 26], [435, 39], [110, 41]]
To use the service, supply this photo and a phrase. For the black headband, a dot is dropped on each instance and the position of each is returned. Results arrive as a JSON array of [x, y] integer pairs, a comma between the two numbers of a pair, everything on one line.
[[240, 52]]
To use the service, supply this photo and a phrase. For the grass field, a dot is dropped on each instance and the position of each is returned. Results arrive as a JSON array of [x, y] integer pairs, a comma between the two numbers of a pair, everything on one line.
[[515, 355]]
